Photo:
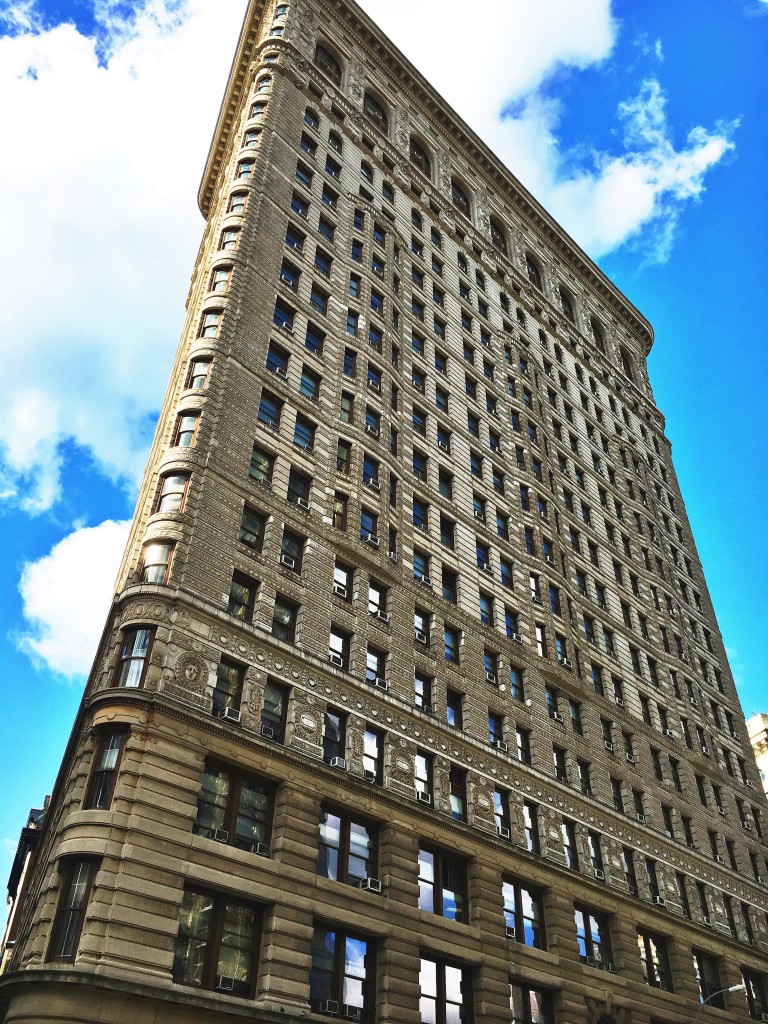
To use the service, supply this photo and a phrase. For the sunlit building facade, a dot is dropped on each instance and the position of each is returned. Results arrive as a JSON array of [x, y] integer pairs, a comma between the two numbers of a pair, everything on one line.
[[411, 707]]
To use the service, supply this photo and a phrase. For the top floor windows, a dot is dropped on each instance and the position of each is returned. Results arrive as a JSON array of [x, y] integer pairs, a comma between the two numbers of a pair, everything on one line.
[[326, 61], [420, 158], [532, 268], [460, 199], [375, 112]]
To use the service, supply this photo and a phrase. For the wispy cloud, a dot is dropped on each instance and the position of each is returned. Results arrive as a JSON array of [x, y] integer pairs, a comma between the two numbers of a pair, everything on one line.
[[636, 193], [65, 595]]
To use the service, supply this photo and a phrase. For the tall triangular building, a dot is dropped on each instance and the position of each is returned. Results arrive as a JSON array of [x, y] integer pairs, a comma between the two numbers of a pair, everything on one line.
[[411, 707]]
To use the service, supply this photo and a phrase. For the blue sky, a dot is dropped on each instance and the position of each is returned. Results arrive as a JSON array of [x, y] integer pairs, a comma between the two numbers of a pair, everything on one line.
[[640, 125]]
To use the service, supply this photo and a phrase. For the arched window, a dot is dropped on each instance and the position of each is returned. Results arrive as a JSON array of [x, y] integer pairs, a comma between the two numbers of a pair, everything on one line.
[[566, 304], [311, 118], [597, 334], [420, 158], [626, 362], [326, 61], [532, 268], [374, 110], [460, 198], [334, 141], [498, 237], [264, 84], [366, 172]]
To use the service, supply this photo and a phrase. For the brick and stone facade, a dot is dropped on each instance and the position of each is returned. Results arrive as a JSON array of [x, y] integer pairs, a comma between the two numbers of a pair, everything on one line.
[[407, 414]]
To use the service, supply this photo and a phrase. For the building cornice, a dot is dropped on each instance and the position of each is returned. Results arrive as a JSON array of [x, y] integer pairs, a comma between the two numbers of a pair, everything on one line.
[[444, 117]]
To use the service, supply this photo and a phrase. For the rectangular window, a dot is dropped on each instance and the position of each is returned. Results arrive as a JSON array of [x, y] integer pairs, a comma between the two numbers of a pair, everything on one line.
[[234, 808], [341, 978], [76, 881], [347, 848], [106, 763], [217, 944], [592, 935], [242, 597], [655, 961], [228, 688], [133, 658], [523, 914], [334, 735], [274, 711], [445, 993], [529, 1005], [442, 884]]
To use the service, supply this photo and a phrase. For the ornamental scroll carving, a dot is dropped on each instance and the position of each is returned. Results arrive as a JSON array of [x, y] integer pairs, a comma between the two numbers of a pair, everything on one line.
[[599, 1012]]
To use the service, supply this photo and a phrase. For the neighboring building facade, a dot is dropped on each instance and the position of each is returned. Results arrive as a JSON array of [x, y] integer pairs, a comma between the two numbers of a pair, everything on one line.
[[19, 880], [412, 705], [757, 728]]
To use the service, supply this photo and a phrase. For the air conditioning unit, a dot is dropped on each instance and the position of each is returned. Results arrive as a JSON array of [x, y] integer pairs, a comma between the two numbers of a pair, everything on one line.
[[608, 745], [500, 745], [485, 566], [224, 984], [443, 445], [371, 428], [288, 561], [490, 678], [369, 776], [749, 784], [670, 734], [693, 702], [419, 636], [425, 581], [303, 503], [336, 659], [747, 826], [230, 715], [566, 663], [392, 555], [371, 539], [427, 709], [351, 1012], [641, 818], [380, 684], [339, 762], [279, 371], [424, 798], [720, 859], [479, 515], [760, 880], [611, 968], [619, 702], [705, 752], [267, 732], [684, 656], [550, 559], [708, 921], [218, 835], [328, 1006], [516, 637], [631, 890], [381, 616], [557, 716], [599, 874], [374, 385], [503, 831], [630, 758], [721, 811], [340, 590], [543, 514], [373, 483], [370, 885]]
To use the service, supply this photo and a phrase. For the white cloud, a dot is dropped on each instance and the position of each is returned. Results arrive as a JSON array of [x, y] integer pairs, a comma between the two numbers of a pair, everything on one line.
[[109, 136], [498, 81], [66, 597], [109, 141]]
